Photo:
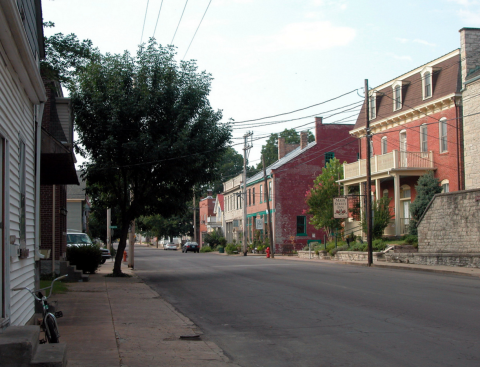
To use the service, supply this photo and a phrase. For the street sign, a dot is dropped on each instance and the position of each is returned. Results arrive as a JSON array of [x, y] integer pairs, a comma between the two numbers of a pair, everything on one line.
[[340, 208], [259, 223], [113, 227]]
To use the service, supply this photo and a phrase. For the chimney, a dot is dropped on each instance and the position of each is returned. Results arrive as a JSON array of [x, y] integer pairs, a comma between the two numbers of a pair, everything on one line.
[[469, 50], [303, 139], [281, 148], [318, 126]]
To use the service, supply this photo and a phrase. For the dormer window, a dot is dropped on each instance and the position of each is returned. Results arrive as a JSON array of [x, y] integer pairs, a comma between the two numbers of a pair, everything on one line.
[[373, 107], [427, 80], [398, 97]]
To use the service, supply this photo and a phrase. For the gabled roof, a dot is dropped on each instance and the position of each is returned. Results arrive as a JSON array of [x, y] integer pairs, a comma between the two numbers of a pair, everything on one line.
[[446, 80], [287, 158], [220, 199]]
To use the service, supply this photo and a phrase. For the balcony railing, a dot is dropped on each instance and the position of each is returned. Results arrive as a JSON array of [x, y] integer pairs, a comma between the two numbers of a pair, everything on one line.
[[389, 161]]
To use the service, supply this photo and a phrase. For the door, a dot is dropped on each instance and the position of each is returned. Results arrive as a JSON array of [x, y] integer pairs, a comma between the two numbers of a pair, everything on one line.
[[406, 215], [403, 149], [3, 250]]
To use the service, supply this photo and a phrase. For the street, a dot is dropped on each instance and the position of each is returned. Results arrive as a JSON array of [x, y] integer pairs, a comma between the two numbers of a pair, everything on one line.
[[265, 312]]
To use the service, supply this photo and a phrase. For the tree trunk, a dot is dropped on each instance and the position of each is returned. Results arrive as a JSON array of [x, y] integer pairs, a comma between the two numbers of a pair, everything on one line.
[[117, 267]]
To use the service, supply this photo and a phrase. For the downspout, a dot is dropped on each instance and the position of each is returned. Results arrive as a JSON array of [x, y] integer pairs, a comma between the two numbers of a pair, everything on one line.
[[460, 151], [38, 147]]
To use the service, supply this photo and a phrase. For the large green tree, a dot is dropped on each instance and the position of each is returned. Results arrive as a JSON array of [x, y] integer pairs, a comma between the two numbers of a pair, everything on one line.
[[148, 132], [427, 186], [229, 166], [270, 149], [320, 198], [173, 226]]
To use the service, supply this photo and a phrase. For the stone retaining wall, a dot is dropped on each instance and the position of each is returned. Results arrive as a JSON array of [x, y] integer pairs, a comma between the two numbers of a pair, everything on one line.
[[320, 256], [358, 256], [451, 224], [449, 259]]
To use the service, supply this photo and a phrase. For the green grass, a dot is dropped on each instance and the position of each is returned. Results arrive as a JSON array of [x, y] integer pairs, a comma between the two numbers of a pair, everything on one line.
[[58, 287]]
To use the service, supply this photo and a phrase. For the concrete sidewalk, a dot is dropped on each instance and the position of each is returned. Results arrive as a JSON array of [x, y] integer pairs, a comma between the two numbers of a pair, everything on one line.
[[115, 322]]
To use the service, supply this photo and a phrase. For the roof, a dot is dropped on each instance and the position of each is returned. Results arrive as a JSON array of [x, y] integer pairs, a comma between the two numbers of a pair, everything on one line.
[[446, 80], [77, 191], [287, 158], [220, 200]]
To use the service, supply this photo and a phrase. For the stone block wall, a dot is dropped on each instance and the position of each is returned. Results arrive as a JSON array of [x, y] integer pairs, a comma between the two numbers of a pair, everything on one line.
[[471, 121], [451, 224]]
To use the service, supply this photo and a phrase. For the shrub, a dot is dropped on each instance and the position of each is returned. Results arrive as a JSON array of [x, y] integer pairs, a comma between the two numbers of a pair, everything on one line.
[[86, 257], [379, 245], [334, 250], [206, 249], [411, 240], [230, 248]]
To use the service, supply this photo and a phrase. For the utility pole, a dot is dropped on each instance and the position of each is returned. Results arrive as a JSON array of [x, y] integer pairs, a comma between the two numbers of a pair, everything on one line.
[[109, 230], [53, 230], [131, 240], [368, 191], [194, 218], [269, 213], [246, 149]]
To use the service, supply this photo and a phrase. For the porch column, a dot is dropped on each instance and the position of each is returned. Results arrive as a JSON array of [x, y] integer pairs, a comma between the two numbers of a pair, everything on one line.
[[396, 184], [377, 190]]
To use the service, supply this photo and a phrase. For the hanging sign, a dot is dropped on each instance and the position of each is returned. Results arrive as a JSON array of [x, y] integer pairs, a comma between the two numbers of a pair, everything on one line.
[[259, 223], [340, 208]]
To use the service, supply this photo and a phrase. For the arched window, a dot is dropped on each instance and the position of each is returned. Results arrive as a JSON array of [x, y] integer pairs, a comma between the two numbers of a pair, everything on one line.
[[385, 193], [445, 186], [384, 145]]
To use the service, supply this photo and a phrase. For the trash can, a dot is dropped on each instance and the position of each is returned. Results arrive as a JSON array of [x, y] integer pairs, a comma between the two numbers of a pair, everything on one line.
[[221, 250]]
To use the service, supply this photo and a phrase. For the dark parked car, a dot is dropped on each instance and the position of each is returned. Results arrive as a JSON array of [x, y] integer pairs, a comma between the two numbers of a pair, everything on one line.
[[81, 239], [190, 246]]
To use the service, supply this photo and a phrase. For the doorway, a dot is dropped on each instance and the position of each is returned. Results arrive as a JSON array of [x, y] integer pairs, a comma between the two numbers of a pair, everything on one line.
[[403, 149]]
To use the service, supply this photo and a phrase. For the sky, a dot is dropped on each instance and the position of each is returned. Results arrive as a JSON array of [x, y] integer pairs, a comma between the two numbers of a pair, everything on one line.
[[271, 57]]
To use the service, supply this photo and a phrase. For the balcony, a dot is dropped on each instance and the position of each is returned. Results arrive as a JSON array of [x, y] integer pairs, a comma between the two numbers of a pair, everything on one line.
[[389, 161]]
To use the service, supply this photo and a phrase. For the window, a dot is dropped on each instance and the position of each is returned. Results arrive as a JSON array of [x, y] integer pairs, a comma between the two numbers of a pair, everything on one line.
[[427, 85], [405, 192], [443, 135], [270, 191], [373, 107], [445, 186], [371, 147], [253, 195], [384, 145], [249, 197], [22, 206], [398, 97], [328, 157], [423, 138], [301, 225], [261, 193], [385, 193]]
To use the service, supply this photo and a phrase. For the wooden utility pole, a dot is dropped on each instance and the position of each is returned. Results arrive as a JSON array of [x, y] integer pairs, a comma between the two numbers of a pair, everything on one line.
[[109, 229], [368, 191], [54, 214], [267, 193], [194, 218], [246, 148]]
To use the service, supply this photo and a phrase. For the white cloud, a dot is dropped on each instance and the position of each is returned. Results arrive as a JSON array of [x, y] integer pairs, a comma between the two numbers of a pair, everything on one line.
[[424, 42], [464, 2], [402, 40], [309, 36], [397, 57], [471, 18]]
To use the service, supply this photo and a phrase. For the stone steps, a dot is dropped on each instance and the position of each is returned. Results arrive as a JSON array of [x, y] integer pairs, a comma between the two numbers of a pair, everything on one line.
[[19, 347]]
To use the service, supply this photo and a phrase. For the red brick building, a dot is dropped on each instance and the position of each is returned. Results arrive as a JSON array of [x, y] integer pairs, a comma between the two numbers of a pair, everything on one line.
[[290, 177], [206, 210], [415, 121]]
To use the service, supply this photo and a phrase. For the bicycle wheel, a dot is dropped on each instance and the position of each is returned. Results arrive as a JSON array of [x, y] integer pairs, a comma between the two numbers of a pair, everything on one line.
[[51, 329]]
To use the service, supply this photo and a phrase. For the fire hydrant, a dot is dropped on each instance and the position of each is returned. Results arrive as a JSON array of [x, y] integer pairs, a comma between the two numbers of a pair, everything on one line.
[[124, 256], [267, 251]]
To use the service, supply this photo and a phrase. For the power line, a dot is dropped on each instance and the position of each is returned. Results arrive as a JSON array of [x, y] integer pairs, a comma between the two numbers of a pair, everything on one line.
[[188, 48], [301, 109], [179, 22], [158, 17], [144, 20]]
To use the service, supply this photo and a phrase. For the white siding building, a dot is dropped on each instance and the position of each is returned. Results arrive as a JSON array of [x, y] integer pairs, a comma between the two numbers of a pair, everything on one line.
[[22, 95]]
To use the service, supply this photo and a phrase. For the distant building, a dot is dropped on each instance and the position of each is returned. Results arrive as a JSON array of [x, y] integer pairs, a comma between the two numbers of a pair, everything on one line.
[[232, 193], [289, 178], [206, 211], [78, 206]]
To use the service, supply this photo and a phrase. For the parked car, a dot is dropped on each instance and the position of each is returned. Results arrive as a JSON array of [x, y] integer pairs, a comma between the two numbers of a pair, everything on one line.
[[190, 246], [169, 246], [81, 239]]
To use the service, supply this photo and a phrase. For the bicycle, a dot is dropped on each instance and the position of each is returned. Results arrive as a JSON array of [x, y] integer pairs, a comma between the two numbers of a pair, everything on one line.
[[49, 325]]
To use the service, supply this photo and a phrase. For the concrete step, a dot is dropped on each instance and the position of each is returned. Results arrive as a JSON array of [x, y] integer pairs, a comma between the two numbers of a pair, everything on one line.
[[75, 275], [18, 345], [50, 355]]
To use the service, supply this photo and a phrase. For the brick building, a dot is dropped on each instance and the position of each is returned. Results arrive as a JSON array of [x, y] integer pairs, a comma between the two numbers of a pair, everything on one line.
[[415, 120], [206, 210], [290, 177], [233, 208]]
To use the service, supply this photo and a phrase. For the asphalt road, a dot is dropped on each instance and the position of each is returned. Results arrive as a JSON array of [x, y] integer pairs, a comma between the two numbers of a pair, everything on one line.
[[286, 313]]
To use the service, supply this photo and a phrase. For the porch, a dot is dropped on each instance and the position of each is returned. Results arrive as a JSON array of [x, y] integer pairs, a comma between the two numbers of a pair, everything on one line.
[[394, 175]]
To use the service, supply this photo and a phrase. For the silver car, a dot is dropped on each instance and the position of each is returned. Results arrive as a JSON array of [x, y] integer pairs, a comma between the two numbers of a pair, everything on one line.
[[169, 246]]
